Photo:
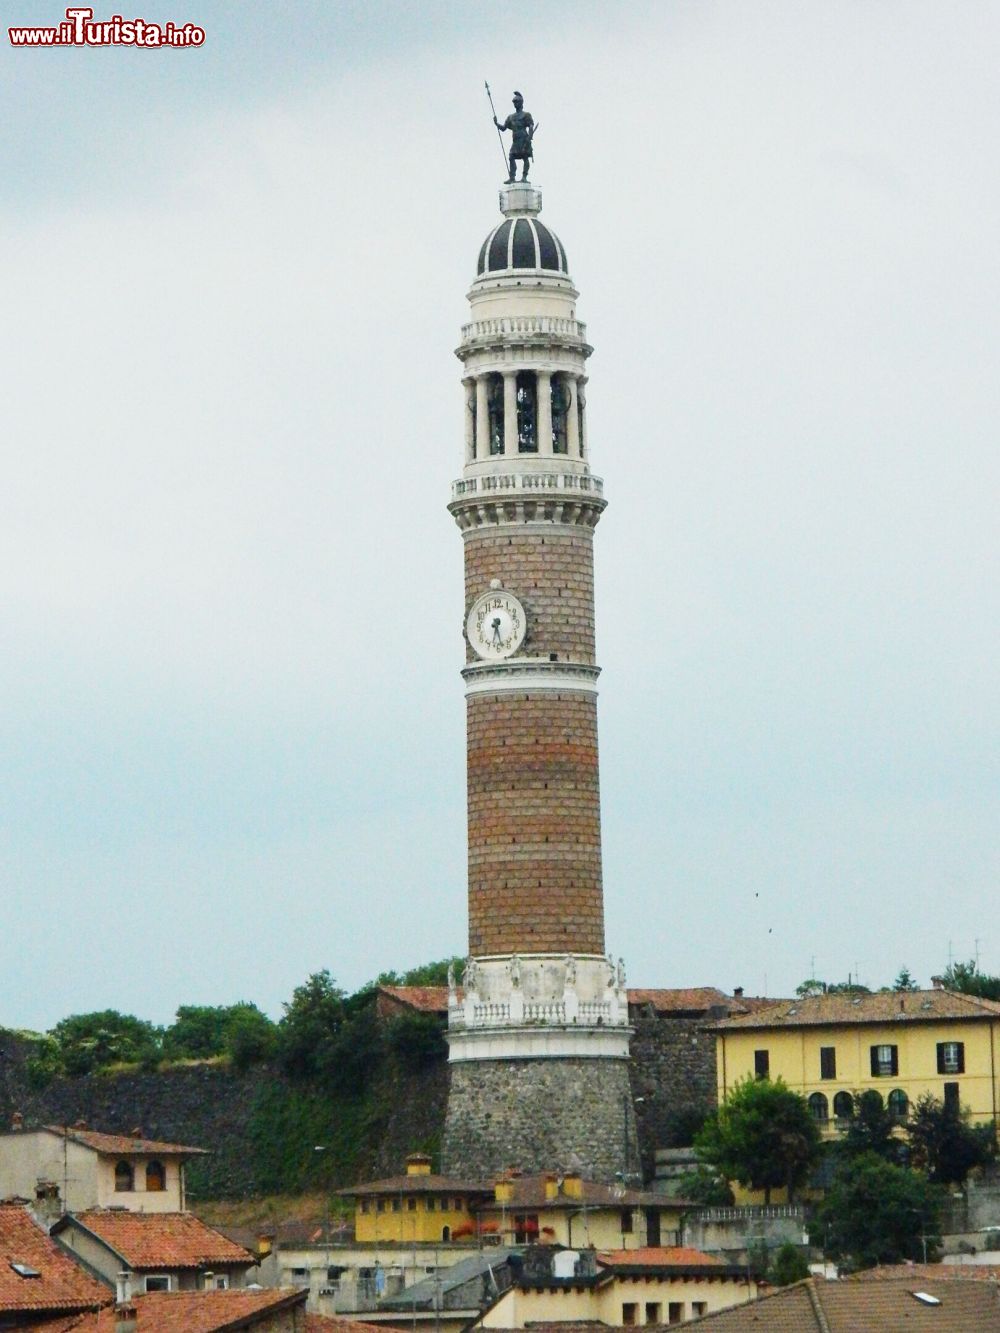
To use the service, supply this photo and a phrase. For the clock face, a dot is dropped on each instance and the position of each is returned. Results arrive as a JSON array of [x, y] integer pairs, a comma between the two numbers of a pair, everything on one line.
[[496, 624]]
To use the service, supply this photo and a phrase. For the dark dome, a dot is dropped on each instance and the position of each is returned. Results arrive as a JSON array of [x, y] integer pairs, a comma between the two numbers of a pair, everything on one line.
[[521, 243]]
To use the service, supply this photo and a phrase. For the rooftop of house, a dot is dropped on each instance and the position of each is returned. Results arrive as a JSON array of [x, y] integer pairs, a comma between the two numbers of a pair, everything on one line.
[[575, 1193], [658, 1256], [437, 1286], [324, 1323], [928, 1272], [923, 1006], [415, 1183], [818, 1306], [118, 1145], [36, 1274], [689, 1000], [188, 1312], [146, 1241]]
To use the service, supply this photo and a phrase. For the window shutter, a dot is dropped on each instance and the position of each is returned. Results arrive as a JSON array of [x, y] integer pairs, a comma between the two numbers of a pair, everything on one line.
[[940, 1053], [961, 1056], [874, 1051], [895, 1060]]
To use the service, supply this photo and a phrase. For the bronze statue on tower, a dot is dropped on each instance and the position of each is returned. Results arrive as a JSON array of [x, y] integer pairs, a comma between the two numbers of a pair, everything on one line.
[[522, 127]]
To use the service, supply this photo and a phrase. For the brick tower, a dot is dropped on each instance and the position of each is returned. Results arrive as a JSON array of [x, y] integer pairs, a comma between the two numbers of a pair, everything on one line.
[[539, 1037]]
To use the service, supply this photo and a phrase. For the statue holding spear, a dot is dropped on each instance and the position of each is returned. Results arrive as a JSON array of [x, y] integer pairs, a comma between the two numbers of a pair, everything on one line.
[[522, 128]]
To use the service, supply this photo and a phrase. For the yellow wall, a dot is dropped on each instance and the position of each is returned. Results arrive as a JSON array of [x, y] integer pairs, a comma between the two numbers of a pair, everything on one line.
[[517, 1308], [580, 1227], [794, 1057], [399, 1221]]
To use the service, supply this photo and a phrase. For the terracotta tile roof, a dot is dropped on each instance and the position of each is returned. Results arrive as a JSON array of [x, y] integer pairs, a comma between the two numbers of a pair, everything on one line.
[[61, 1285], [692, 999], [426, 999], [658, 1256], [928, 1272], [927, 1006], [117, 1144], [889, 1306], [429, 1184], [160, 1240], [189, 1312]]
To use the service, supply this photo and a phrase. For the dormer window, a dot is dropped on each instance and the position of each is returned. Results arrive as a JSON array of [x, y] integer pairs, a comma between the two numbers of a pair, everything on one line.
[[124, 1178], [156, 1177]]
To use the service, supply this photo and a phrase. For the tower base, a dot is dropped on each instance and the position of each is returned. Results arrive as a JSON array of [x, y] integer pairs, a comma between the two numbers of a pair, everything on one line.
[[573, 1114]]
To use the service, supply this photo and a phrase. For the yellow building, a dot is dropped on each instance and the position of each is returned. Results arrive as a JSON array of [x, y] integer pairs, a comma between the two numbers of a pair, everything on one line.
[[418, 1208], [629, 1288], [903, 1044], [568, 1210]]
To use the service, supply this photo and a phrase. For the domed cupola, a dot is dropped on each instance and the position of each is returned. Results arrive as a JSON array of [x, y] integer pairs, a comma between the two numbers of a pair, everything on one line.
[[520, 241]]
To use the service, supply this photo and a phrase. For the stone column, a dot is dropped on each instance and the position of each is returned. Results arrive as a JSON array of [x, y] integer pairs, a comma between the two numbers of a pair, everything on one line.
[[581, 394], [470, 417], [543, 396], [510, 413], [572, 419], [482, 418]]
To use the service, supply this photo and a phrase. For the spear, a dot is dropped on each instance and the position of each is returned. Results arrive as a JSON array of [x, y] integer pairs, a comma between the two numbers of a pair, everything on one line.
[[503, 151]]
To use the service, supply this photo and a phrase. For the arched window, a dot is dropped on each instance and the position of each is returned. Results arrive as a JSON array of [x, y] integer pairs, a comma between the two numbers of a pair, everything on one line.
[[124, 1180], [819, 1107], [446, 1233], [156, 1177], [494, 410], [843, 1106], [899, 1104], [527, 414], [561, 401]]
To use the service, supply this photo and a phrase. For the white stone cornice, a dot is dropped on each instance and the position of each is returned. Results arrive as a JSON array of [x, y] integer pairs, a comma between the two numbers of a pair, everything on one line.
[[517, 674]]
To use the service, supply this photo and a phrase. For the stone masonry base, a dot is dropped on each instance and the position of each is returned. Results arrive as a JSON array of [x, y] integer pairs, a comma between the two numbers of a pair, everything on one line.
[[541, 1115]]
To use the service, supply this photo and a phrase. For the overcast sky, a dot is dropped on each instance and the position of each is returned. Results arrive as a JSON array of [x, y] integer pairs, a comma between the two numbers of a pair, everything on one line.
[[231, 715]]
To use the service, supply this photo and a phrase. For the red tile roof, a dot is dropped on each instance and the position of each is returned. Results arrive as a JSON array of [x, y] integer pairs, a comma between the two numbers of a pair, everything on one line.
[[114, 1145], [189, 1312], [927, 1006], [658, 1256], [927, 1272], [160, 1240], [419, 1184], [327, 1323], [62, 1284], [426, 999]]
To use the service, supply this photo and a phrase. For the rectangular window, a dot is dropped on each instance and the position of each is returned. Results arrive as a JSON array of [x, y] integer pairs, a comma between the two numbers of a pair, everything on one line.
[[626, 1221], [221, 1282], [761, 1064], [431, 1203], [364, 1205], [397, 1205], [653, 1309], [411, 1205], [630, 1313], [157, 1282], [382, 1205], [675, 1312], [951, 1096], [951, 1057], [885, 1061], [828, 1062], [698, 1307], [459, 1205]]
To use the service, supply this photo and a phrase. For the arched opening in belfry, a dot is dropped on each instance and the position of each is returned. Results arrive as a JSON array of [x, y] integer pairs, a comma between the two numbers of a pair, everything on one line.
[[561, 401], [527, 413], [494, 409]]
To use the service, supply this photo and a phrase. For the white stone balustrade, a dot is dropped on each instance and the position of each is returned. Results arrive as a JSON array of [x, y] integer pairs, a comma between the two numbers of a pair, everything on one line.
[[540, 326], [527, 481]]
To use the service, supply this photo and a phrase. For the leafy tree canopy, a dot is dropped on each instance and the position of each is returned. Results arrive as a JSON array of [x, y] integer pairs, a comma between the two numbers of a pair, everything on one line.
[[200, 1031], [788, 1265], [706, 1187], [877, 1213], [93, 1041], [313, 1018], [943, 1142], [813, 986], [870, 1130], [762, 1135], [428, 974], [904, 981], [967, 978]]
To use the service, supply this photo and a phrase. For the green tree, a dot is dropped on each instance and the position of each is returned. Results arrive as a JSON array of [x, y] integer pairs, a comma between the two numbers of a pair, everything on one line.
[[416, 1039], [967, 978], [200, 1031], [877, 1213], [88, 1042], [870, 1129], [904, 981], [250, 1037], [943, 1142], [762, 1135], [311, 1024], [789, 1265], [706, 1187]]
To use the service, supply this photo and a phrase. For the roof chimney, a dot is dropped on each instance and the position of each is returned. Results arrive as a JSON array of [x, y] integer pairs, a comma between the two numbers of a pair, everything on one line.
[[737, 992], [937, 983], [123, 1287], [135, 1133], [573, 1185], [418, 1164], [551, 1185], [79, 1124], [17, 1122]]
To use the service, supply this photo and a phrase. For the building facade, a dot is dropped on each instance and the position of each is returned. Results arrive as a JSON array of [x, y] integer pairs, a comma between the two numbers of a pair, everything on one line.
[[539, 1036]]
